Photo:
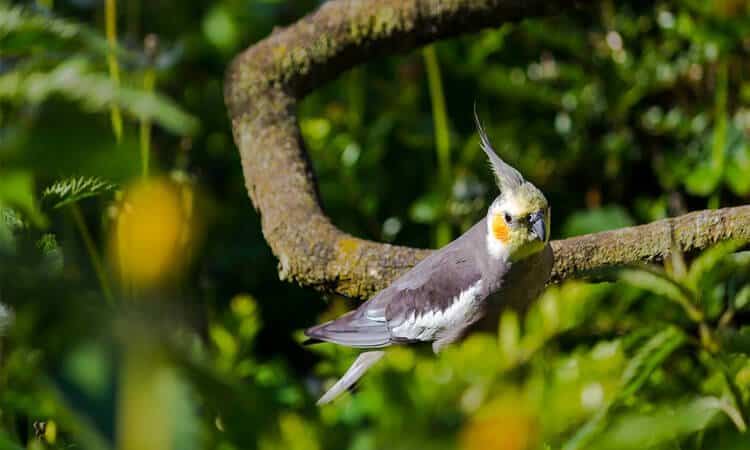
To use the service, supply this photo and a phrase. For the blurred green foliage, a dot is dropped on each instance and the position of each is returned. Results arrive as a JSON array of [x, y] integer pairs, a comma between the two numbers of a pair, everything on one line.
[[622, 114]]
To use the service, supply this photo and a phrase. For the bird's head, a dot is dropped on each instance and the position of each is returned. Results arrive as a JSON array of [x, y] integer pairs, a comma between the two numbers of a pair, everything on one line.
[[518, 219]]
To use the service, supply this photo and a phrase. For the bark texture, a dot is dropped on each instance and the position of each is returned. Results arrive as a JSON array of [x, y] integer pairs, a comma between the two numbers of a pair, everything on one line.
[[264, 84]]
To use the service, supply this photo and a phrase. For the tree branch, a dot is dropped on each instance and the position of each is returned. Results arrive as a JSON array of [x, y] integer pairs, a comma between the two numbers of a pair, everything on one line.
[[264, 84]]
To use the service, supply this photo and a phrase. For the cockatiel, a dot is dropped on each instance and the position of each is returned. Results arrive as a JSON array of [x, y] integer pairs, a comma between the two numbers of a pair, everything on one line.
[[502, 261]]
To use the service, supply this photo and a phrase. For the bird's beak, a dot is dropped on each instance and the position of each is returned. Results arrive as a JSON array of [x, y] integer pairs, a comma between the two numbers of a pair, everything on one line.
[[538, 227]]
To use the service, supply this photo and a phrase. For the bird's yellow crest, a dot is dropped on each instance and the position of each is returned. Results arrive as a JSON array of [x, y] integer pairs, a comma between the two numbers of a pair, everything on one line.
[[518, 219]]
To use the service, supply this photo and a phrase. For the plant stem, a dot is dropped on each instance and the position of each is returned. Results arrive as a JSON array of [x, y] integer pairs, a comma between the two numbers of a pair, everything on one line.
[[114, 68], [707, 339], [149, 82], [442, 133], [714, 362], [442, 136], [96, 259], [356, 96], [737, 397]]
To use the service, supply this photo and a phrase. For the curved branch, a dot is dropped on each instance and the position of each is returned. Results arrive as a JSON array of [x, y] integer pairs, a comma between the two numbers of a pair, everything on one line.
[[266, 81]]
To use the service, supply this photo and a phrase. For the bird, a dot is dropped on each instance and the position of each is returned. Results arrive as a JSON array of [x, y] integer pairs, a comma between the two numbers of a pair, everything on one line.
[[503, 261]]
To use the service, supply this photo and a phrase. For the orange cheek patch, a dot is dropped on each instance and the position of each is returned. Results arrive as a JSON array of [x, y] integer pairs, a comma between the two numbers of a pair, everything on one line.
[[500, 229]]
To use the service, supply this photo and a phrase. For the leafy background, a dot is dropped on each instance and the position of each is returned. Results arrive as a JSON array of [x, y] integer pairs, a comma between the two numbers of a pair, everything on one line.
[[142, 306]]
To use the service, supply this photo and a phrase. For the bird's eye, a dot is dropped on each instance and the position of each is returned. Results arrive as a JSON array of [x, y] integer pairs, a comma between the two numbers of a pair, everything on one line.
[[508, 218]]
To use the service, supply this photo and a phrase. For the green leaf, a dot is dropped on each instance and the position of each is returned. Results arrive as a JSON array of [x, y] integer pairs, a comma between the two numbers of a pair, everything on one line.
[[53, 259], [742, 299], [72, 190], [509, 336], [27, 26], [738, 164], [703, 180], [736, 341], [649, 357], [7, 443], [221, 28], [90, 153], [10, 222], [708, 260], [657, 282], [595, 220], [7, 241], [739, 260], [721, 363], [661, 426], [426, 209], [17, 191], [75, 80], [11, 219], [675, 264]]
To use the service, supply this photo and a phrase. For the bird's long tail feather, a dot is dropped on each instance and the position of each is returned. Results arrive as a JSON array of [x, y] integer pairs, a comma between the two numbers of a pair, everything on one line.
[[353, 329], [363, 362]]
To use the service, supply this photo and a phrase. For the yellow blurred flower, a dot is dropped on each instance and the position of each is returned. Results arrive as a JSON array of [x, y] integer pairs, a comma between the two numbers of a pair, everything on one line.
[[153, 232], [505, 424]]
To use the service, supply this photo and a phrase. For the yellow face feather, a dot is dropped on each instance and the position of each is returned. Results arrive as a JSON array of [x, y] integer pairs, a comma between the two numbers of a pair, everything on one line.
[[516, 237], [500, 228]]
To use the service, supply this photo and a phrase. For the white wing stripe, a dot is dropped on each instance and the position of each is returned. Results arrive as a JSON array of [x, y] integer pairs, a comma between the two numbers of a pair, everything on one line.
[[424, 327]]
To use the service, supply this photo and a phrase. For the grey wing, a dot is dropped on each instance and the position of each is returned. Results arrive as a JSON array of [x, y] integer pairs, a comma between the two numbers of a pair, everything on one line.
[[436, 295], [353, 329], [441, 296]]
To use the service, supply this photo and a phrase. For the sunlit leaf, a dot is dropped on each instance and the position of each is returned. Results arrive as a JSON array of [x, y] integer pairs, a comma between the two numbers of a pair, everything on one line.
[[72, 190], [703, 180], [657, 282], [509, 335], [221, 29], [742, 299]]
